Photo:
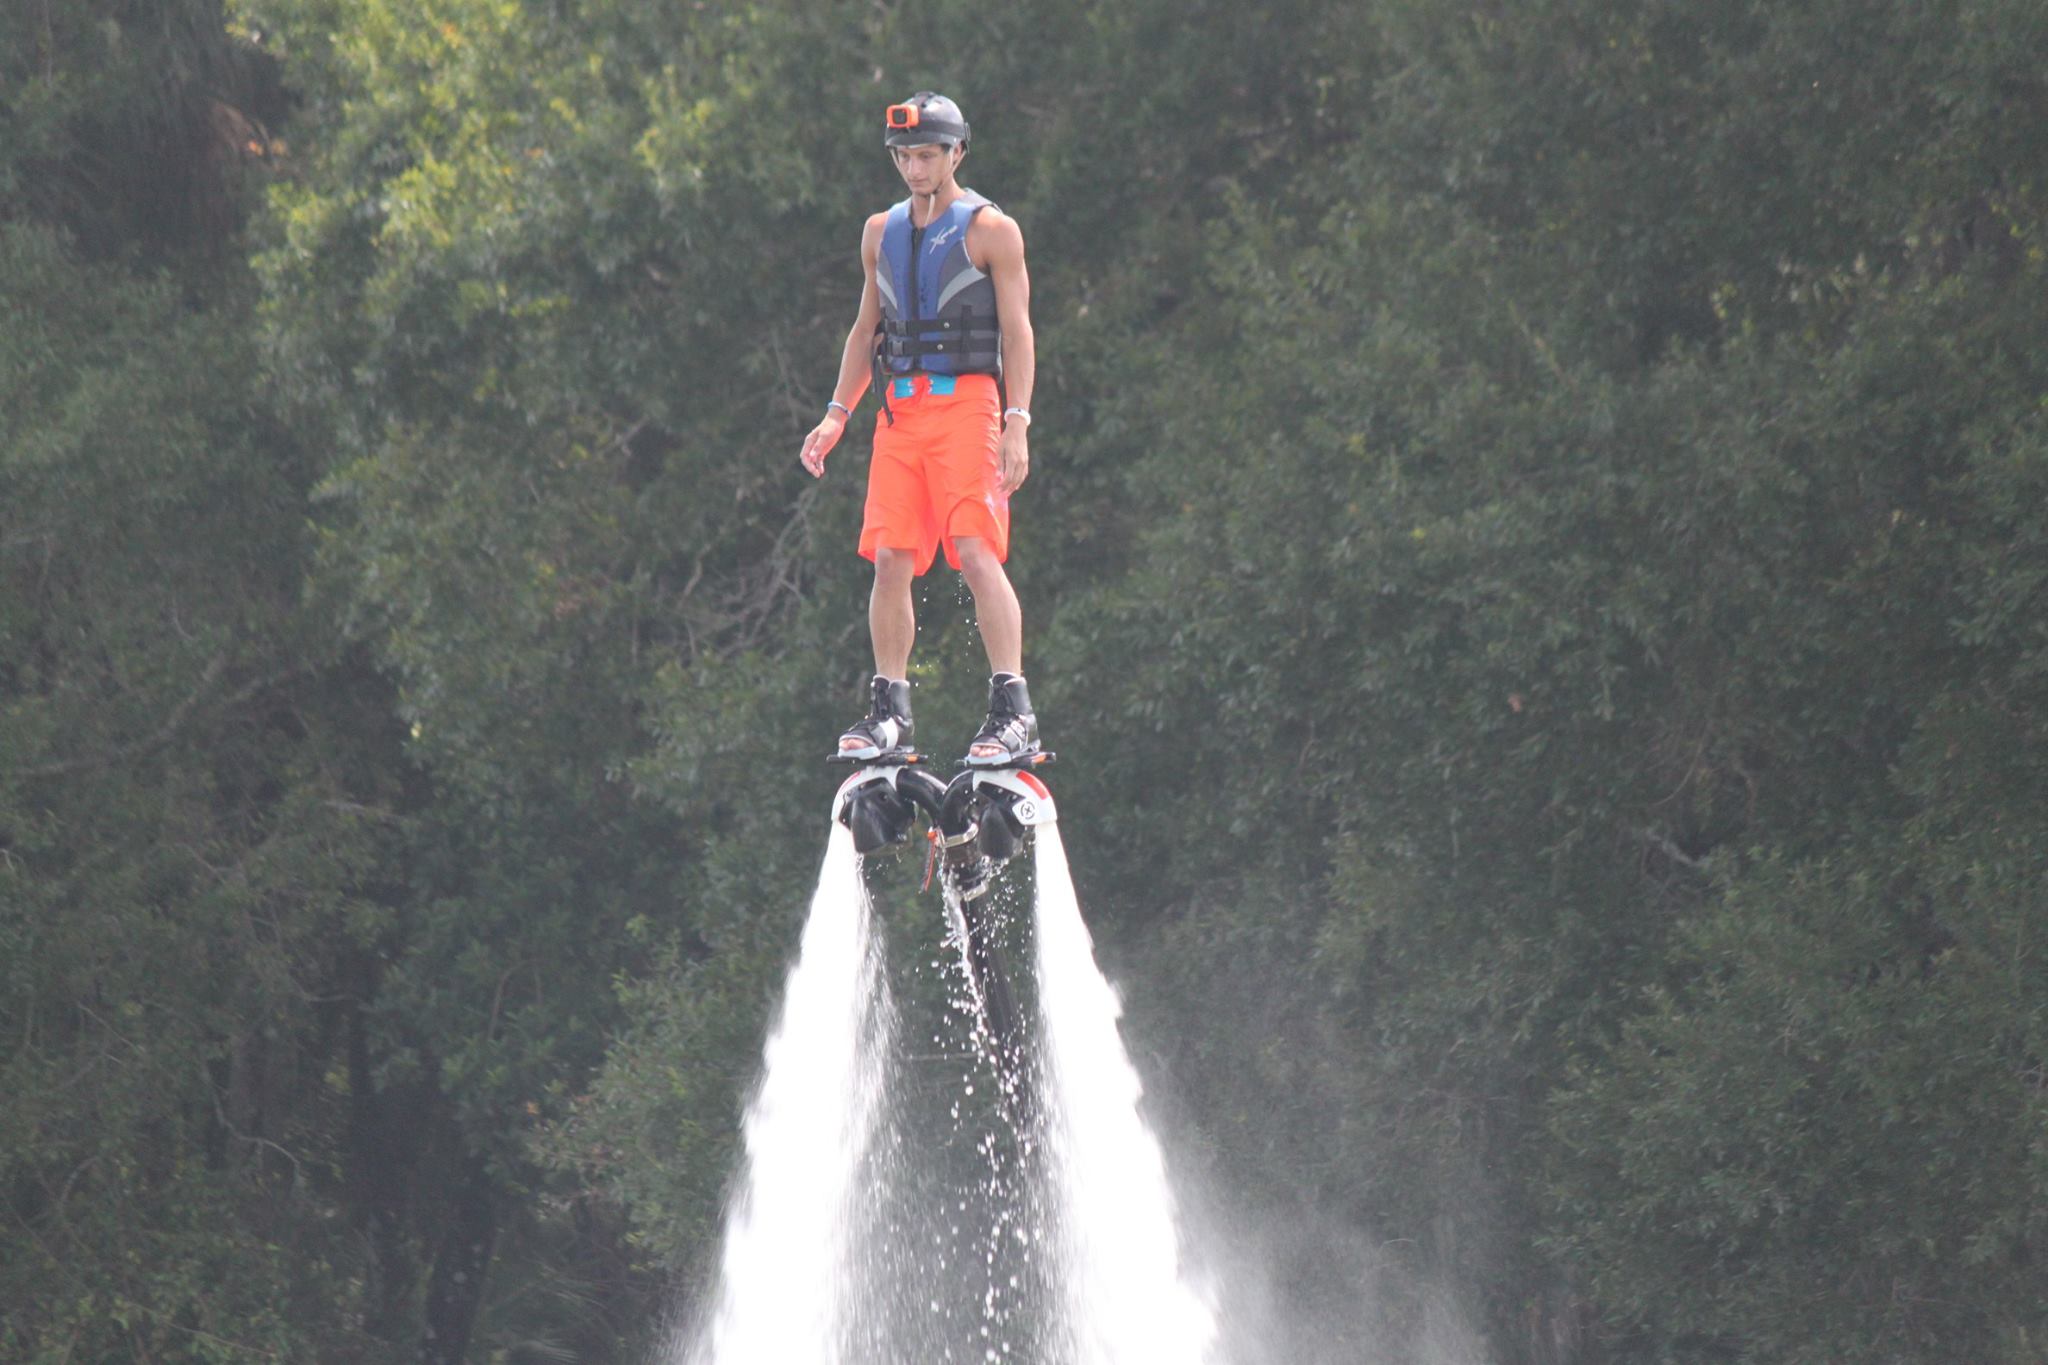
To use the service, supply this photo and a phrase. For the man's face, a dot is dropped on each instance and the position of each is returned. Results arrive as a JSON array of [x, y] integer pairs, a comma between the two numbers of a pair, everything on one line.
[[925, 168]]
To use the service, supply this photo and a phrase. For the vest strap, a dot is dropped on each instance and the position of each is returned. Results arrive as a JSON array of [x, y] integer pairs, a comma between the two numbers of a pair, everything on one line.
[[905, 327], [899, 349]]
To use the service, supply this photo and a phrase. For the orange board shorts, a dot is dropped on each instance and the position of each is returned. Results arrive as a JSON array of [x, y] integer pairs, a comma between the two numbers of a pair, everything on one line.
[[936, 474]]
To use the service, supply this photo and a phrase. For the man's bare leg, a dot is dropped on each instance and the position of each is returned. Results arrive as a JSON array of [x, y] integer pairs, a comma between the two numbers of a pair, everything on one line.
[[995, 605], [892, 617], [1002, 632], [892, 623]]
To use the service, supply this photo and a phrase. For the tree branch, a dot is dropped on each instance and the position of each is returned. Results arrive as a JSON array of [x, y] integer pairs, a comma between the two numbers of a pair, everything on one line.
[[164, 733]]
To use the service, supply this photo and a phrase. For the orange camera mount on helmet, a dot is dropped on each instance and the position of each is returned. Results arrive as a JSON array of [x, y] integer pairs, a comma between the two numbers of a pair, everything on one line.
[[924, 118]]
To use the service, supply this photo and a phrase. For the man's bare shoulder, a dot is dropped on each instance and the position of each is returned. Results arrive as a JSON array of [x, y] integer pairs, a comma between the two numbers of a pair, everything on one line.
[[992, 218], [871, 235], [995, 233]]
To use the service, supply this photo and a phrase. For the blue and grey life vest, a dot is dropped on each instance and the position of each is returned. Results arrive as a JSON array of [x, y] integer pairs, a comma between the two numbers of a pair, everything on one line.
[[938, 310]]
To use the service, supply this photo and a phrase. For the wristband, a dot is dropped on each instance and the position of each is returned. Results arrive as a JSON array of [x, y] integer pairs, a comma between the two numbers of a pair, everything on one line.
[[835, 403], [1024, 413]]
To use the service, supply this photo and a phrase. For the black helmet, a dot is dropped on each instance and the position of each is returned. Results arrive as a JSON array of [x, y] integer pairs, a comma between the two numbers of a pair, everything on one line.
[[924, 118]]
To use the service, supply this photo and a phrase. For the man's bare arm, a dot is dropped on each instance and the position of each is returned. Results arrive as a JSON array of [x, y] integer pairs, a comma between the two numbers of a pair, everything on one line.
[[854, 358], [1001, 241]]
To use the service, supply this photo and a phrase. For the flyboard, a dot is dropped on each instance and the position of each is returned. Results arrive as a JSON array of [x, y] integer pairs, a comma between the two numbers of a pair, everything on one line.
[[975, 823]]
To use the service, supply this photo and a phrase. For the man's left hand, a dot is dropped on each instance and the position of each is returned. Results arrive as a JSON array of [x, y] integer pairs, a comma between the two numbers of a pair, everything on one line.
[[1016, 457]]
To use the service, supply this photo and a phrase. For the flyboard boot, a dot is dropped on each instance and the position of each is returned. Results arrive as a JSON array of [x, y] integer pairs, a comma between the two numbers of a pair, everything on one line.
[[1011, 727], [977, 822], [880, 802], [989, 811], [993, 804], [884, 733]]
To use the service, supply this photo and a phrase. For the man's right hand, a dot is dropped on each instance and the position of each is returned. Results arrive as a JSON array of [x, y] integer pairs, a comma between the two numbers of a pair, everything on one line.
[[819, 443]]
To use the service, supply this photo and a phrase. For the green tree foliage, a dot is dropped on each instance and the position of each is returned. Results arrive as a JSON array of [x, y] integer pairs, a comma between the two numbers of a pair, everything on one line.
[[1565, 480], [272, 1028], [181, 839], [130, 125], [177, 840], [1576, 530]]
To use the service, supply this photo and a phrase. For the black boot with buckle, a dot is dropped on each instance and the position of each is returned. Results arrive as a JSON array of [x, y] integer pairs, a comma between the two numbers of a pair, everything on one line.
[[886, 731], [1011, 727]]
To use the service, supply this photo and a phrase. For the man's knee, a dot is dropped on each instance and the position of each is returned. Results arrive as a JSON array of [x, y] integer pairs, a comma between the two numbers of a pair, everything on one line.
[[977, 560], [894, 568]]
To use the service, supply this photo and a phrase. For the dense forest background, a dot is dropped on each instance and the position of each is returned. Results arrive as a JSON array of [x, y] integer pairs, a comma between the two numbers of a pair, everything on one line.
[[1537, 560]]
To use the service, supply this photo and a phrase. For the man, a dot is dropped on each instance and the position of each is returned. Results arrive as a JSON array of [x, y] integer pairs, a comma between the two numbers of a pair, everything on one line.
[[944, 329]]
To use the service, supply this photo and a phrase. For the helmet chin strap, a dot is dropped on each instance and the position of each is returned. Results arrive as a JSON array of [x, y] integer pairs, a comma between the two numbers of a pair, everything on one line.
[[931, 198]]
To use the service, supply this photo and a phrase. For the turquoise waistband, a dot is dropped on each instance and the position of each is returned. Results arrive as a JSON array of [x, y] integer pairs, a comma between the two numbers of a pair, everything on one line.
[[905, 386]]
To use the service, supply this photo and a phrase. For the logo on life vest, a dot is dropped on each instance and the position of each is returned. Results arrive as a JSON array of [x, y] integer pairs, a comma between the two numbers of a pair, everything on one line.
[[940, 240]]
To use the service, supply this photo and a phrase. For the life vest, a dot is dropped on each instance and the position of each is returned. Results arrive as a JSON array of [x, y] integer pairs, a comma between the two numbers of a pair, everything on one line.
[[938, 310]]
